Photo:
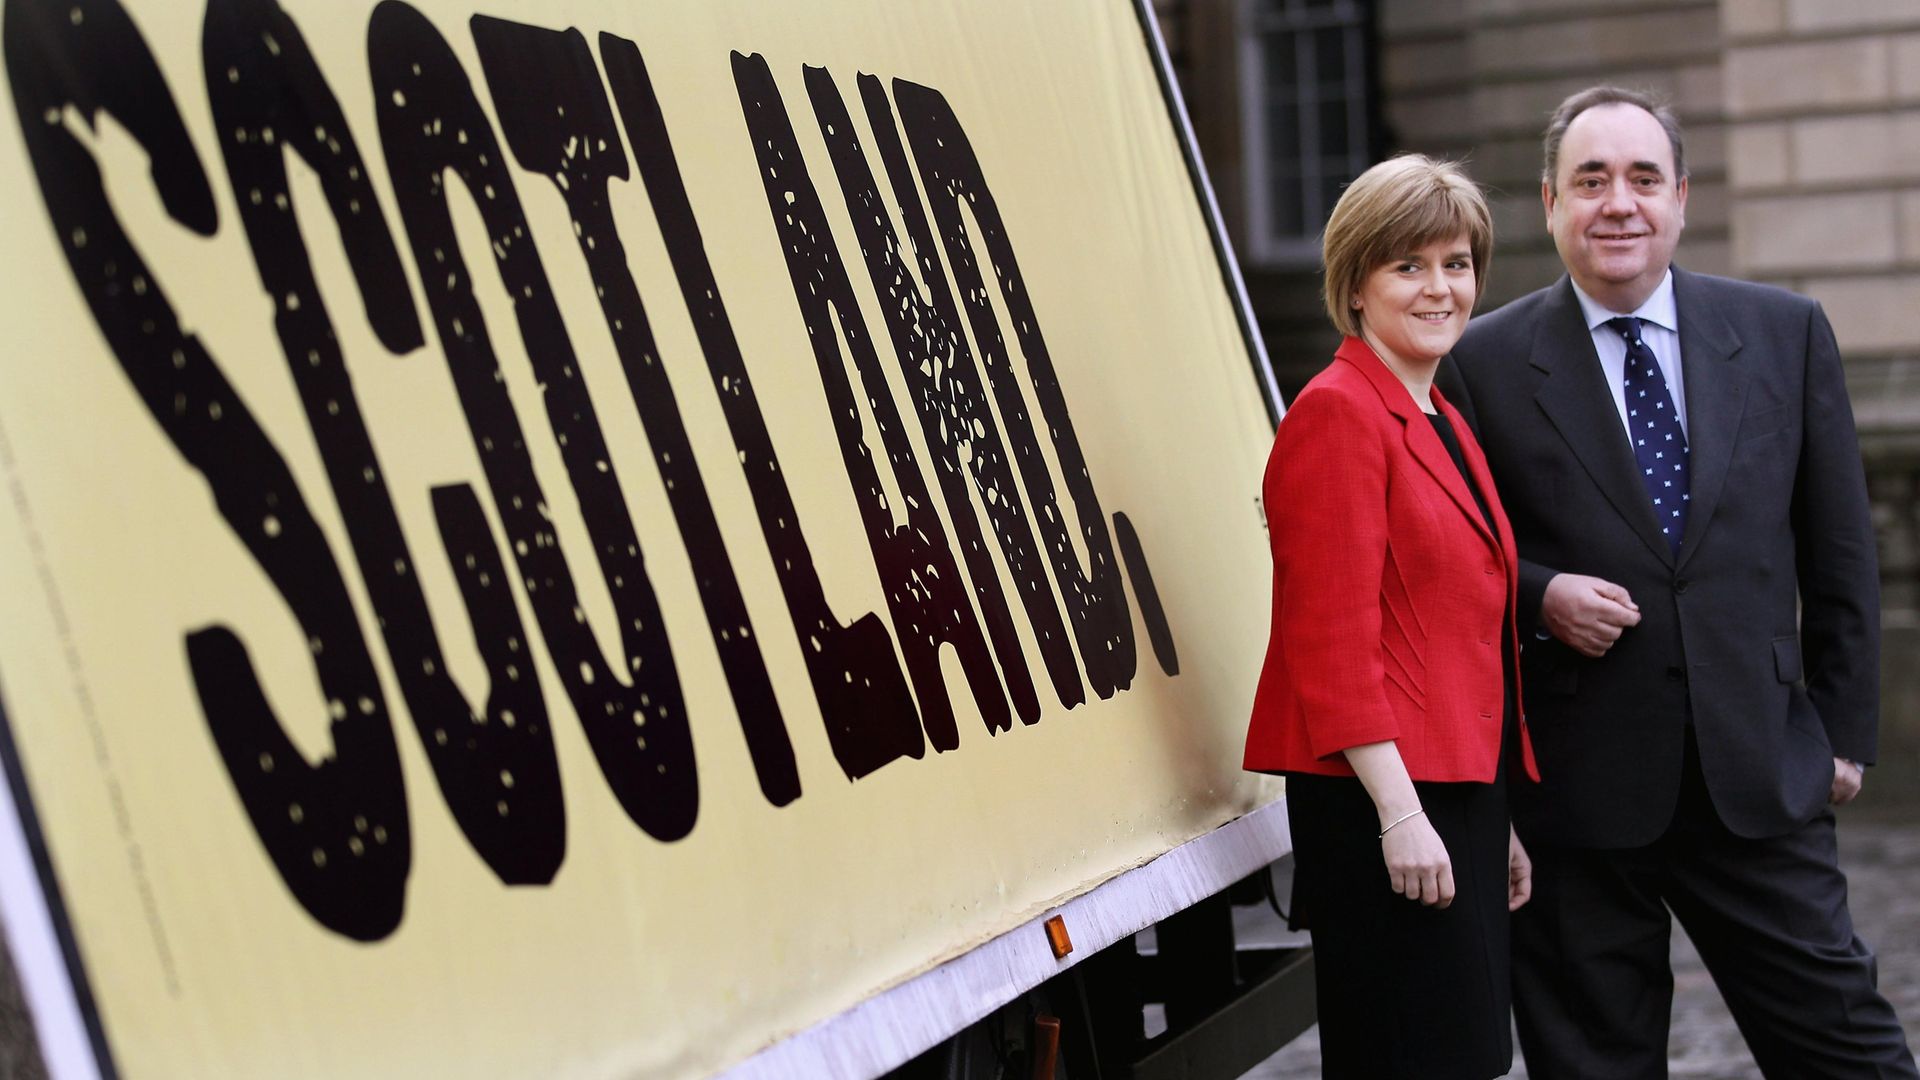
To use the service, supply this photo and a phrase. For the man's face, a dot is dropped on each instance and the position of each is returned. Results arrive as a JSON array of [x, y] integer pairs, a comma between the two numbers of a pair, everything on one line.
[[1615, 207]]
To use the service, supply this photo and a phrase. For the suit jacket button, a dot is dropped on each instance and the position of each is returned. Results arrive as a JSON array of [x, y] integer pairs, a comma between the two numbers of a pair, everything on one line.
[[1676, 674], [1680, 585]]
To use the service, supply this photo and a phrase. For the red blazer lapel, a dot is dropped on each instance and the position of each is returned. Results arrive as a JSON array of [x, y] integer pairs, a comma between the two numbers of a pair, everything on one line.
[[1423, 444]]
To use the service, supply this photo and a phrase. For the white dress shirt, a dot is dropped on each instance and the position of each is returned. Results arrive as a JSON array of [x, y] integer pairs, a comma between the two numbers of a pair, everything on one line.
[[1659, 329]]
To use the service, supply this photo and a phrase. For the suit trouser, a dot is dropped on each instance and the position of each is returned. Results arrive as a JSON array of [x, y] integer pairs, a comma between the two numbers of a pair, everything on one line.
[[1593, 989]]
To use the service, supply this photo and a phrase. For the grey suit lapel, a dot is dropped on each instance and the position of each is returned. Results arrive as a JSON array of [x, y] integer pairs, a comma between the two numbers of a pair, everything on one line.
[[1716, 396], [1576, 399]]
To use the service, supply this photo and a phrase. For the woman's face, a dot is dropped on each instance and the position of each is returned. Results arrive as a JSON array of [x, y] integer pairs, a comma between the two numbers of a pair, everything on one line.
[[1414, 308]]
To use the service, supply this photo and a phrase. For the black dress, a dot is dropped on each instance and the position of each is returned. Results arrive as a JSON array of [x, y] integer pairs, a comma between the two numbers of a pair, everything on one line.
[[1406, 990]]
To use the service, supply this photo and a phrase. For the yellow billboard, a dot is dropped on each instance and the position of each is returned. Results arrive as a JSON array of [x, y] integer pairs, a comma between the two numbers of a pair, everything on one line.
[[583, 538]]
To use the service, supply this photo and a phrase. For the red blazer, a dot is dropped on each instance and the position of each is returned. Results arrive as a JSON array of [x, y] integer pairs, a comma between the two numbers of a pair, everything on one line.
[[1389, 593]]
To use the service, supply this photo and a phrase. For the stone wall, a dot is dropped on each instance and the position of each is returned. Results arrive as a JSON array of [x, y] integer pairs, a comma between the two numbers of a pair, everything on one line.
[[1824, 161]]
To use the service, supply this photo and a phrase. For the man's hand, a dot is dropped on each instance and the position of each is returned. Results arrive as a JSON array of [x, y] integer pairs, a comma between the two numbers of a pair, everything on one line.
[[1847, 778], [1519, 872], [1588, 613]]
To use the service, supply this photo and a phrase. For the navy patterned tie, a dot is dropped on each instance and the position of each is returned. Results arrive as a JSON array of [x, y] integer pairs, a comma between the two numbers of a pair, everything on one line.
[[1659, 445]]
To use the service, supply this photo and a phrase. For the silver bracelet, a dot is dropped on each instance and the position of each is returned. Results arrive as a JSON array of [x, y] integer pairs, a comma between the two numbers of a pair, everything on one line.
[[1403, 817]]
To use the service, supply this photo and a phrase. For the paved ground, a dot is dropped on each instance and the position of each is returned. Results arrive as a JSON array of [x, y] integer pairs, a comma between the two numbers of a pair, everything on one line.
[[19, 1054], [1882, 860]]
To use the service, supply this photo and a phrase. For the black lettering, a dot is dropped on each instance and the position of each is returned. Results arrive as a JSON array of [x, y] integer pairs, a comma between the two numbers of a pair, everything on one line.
[[863, 697], [925, 592], [951, 174], [1159, 634], [495, 768], [337, 832], [555, 117], [944, 383], [432, 127]]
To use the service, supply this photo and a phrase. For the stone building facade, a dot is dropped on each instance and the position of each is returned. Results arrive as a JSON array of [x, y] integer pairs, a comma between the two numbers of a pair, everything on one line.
[[1803, 144]]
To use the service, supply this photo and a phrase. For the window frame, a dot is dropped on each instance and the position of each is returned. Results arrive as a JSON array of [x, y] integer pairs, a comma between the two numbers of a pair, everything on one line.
[[1260, 21]]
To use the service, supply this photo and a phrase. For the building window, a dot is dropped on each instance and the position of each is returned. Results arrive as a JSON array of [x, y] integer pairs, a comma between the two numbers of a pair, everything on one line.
[[1307, 94]]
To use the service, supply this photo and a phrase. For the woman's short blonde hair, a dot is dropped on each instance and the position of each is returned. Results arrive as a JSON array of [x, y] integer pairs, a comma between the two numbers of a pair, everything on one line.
[[1393, 210]]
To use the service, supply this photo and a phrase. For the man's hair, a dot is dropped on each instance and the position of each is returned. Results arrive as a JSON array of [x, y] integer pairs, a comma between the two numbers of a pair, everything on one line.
[[1391, 211], [1596, 96]]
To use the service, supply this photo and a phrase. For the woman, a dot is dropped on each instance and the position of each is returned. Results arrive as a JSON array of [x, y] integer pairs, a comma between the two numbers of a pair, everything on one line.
[[1388, 697]]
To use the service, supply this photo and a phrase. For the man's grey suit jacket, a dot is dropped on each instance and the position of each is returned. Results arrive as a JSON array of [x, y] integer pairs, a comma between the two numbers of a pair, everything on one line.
[[1764, 631]]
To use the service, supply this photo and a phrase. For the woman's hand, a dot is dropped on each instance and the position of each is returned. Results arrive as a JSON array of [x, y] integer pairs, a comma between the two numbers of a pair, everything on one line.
[[1519, 872], [1417, 862]]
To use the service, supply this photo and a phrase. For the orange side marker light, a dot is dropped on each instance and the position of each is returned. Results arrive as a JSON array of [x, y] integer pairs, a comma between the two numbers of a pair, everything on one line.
[[1057, 937]]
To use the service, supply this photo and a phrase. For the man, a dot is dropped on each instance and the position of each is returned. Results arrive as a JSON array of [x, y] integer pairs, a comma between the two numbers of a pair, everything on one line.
[[1678, 458]]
